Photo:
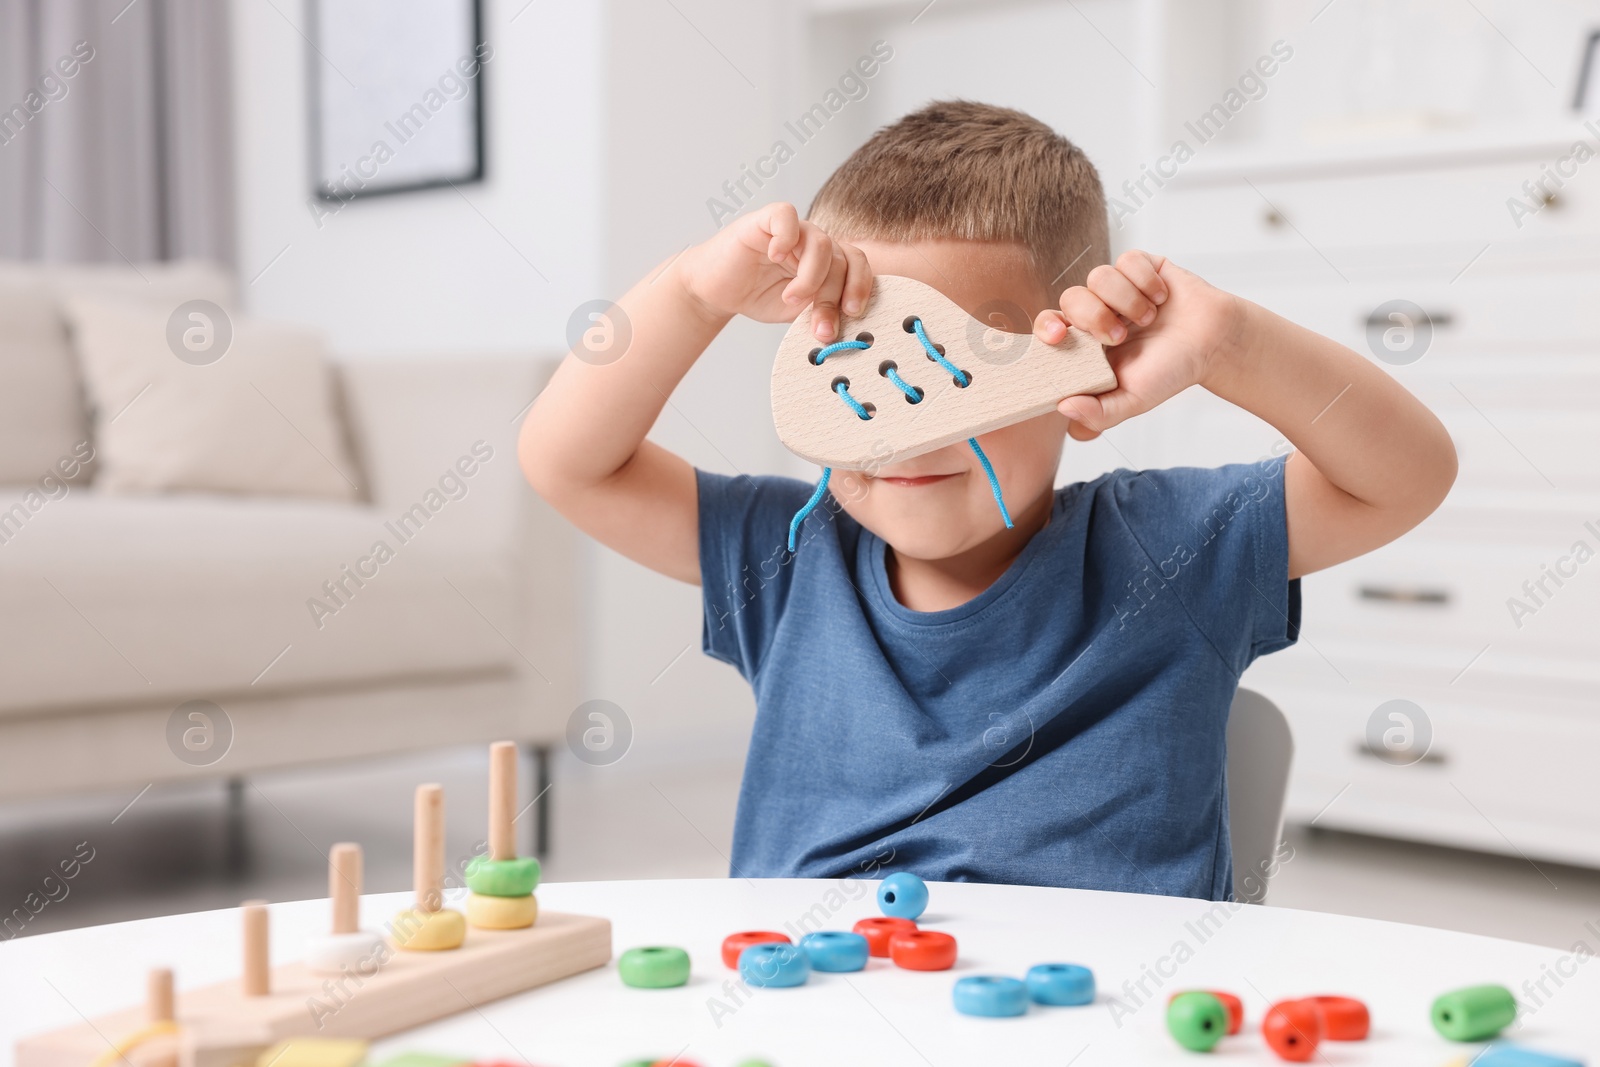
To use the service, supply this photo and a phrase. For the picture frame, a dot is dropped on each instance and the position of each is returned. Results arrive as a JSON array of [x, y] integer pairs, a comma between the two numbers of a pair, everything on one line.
[[1586, 100], [396, 96]]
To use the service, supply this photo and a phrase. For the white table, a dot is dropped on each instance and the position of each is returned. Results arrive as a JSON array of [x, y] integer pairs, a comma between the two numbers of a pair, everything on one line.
[[882, 1016]]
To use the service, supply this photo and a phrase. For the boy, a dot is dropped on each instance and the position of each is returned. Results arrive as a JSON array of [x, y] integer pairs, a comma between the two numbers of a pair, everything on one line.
[[1043, 704]]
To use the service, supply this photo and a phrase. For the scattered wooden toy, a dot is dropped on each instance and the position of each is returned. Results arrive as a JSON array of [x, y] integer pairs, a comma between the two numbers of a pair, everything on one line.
[[1475, 1013], [1293, 1029], [923, 950], [1230, 1003], [1060, 984], [1517, 1056], [734, 944], [1008, 378], [990, 996], [654, 967], [1343, 1018], [903, 896], [774, 964], [835, 950], [1196, 1020], [314, 1052], [878, 930]]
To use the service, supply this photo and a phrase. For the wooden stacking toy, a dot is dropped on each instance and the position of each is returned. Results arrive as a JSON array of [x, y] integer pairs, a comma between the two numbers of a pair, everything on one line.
[[502, 883], [261, 1017], [428, 926], [1008, 378], [346, 948]]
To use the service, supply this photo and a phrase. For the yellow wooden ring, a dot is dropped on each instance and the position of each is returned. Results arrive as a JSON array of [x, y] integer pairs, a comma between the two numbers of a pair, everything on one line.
[[134, 1040], [428, 931], [501, 913]]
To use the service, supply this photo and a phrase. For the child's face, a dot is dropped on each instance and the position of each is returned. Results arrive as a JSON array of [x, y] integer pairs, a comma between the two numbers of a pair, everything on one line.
[[939, 504]]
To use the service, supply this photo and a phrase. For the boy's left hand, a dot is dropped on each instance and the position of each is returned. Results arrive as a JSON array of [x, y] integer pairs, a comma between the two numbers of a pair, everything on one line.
[[1164, 330]]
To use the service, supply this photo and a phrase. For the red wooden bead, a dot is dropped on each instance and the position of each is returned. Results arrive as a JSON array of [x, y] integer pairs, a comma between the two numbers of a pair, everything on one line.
[[923, 950], [734, 944], [879, 929], [1343, 1018], [1294, 1029], [1230, 1003]]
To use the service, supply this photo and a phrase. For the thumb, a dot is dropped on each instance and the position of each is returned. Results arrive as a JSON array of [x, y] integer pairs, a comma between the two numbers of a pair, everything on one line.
[[1099, 413]]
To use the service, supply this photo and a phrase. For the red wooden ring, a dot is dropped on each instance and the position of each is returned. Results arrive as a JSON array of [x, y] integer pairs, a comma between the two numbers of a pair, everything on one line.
[[1343, 1018], [1293, 1028], [879, 929], [1230, 1003], [734, 944], [923, 950]]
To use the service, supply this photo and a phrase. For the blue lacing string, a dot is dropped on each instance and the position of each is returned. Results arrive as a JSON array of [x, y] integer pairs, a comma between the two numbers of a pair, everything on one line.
[[837, 346], [810, 506], [961, 376], [855, 405], [994, 483], [913, 394]]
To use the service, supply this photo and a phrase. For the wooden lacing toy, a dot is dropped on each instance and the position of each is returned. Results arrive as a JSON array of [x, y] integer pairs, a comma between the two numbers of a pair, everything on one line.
[[891, 391]]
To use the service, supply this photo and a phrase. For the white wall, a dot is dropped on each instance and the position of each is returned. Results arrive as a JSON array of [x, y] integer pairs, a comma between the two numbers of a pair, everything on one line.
[[429, 271]]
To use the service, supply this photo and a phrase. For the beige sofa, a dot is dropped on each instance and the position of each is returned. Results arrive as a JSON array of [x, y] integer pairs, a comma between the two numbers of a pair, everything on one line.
[[117, 609]]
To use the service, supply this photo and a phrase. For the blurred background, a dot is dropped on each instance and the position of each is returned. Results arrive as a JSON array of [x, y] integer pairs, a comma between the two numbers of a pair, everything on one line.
[[280, 279]]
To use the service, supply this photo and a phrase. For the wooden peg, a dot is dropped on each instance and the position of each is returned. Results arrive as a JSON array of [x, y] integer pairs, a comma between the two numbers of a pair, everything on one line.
[[502, 800], [158, 996], [427, 858], [344, 887], [1010, 376], [256, 974]]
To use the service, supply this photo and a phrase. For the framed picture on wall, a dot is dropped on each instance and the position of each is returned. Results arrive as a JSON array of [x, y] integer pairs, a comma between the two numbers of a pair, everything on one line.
[[396, 95], [1587, 99]]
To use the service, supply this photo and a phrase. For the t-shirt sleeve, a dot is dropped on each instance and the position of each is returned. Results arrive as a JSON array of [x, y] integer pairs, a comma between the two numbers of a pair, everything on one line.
[[745, 572], [1219, 538]]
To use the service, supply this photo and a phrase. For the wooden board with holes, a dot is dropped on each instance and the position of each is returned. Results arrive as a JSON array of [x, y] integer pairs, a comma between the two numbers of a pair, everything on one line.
[[221, 1027], [1012, 377]]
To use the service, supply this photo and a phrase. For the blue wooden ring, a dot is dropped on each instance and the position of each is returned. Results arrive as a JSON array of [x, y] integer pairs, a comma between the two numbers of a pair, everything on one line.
[[903, 895], [774, 965], [990, 996], [835, 950], [1061, 983]]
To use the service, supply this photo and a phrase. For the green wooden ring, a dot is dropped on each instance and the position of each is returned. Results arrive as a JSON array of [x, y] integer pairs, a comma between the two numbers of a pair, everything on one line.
[[502, 878], [654, 967]]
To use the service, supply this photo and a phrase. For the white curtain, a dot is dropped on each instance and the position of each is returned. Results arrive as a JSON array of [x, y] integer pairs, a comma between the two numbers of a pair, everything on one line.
[[115, 130]]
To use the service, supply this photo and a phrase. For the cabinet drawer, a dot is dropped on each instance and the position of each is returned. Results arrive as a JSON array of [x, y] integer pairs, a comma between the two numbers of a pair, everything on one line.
[[1411, 209]]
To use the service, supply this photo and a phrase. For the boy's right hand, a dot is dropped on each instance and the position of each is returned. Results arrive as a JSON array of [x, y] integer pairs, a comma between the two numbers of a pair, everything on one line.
[[768, 265]]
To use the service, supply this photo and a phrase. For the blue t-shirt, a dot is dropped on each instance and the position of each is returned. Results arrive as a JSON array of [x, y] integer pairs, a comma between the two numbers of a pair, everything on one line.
[[1066, 727]]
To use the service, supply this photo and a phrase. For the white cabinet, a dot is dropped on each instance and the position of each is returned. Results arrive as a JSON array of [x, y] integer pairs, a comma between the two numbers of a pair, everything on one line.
[[1509, 693]]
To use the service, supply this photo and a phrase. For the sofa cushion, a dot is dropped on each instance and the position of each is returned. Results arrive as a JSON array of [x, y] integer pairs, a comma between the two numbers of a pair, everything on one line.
[[125, 598], [254, 416]]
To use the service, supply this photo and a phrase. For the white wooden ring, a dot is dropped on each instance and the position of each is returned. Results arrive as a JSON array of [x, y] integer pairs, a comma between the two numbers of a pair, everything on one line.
[[359, 953]]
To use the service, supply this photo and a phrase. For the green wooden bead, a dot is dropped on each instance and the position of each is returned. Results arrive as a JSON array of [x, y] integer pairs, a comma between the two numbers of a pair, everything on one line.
[[1475, 1013], [654, 967], [1197, 1021], [502, 878]]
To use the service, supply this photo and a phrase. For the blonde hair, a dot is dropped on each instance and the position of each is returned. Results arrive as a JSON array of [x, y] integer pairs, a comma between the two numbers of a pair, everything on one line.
[[963, 170]]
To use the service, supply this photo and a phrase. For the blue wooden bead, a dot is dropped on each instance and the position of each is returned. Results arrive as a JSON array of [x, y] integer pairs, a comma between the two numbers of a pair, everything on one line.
[[835, 950], [989, 996], [1517, 1056], [903, 896], [774, 965], [1061, 983]]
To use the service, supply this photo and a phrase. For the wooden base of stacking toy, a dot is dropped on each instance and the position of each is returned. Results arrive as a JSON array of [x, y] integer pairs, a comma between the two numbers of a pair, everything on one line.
[[223, 1027]]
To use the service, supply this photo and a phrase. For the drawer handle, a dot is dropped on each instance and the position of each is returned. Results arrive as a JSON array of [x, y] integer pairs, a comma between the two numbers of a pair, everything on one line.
[[1433, 756], [1389, 594], [1439, 320]]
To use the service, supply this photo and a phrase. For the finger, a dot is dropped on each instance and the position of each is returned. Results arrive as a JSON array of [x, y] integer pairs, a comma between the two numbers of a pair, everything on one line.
[[858, 280], [1050, 327], [782, 222], [1143, 270], [1089, 313], [816, 258], [1099, 413], [825, 308], [1121, 295]]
